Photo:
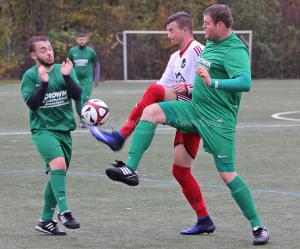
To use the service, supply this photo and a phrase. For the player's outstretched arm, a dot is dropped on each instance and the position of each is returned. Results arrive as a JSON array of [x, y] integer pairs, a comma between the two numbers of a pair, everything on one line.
[[241, 82]]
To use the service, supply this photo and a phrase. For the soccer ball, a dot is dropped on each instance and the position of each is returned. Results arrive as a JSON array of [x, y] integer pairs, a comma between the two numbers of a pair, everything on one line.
[[95, 112]]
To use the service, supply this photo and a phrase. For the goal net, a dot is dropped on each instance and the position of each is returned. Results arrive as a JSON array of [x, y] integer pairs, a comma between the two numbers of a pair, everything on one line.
[[146, 53]]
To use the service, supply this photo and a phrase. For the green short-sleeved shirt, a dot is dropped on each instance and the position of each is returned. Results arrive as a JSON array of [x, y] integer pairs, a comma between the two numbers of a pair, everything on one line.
[[83, 60], [56, 112], [213, 112], [223, 60]]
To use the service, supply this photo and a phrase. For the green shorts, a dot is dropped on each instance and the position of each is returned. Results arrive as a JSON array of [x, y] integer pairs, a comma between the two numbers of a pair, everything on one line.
[[53, 144], [217, 139]]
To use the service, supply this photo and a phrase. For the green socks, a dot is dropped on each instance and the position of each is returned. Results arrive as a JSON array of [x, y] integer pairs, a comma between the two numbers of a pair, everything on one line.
[[49, 203], [241, 194], [141, 139], [58, 183]]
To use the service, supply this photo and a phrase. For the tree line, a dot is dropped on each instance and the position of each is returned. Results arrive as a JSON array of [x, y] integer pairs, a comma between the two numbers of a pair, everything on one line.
[[275, 25]]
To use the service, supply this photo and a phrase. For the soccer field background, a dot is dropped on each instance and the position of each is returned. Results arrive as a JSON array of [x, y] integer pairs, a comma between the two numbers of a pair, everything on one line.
[[151, 215]]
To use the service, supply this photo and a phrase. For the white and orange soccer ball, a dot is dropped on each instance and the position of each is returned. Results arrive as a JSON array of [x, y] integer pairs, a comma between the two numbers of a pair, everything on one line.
[[95, 112]]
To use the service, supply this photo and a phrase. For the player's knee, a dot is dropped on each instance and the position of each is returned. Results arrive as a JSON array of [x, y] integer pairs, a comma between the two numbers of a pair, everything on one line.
[[152, 113], [227, 177], [149, 112], [182, 155], [58, 163]]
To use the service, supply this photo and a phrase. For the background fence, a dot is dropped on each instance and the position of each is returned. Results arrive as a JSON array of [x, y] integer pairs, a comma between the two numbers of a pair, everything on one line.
[[275, 25]]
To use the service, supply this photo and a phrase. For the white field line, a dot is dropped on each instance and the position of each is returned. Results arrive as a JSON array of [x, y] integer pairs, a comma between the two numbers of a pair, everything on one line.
[[162, 130], [280, 115]]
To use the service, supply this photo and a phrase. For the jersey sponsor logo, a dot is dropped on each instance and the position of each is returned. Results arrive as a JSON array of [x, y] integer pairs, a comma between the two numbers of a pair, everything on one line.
[[204, 63], [81, 62], [55, 95], [179, 77], [55, 99], [183, 63], [220, 156]]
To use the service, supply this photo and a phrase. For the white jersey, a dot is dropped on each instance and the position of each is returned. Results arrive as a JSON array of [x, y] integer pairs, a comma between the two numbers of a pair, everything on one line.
[[181, 68]]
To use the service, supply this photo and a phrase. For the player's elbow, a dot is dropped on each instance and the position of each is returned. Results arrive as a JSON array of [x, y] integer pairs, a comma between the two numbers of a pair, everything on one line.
[[32, 104], [248, 84]]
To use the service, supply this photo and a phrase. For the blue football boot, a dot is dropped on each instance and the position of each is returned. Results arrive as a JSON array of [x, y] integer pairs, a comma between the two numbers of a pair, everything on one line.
[[114, 140], [204, 225]]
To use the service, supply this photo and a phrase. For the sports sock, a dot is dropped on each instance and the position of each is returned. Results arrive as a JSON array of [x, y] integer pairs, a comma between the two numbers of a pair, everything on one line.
[[58, 183], [154, 93], [141, 139], [241, 194], [191, 189], [49, 203]]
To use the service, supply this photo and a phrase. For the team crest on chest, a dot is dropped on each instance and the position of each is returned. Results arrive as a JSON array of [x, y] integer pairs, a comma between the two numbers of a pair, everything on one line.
[[183, 63]]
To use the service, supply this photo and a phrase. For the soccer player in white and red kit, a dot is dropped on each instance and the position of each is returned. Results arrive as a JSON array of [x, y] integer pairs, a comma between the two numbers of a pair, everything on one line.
[[176, 83]]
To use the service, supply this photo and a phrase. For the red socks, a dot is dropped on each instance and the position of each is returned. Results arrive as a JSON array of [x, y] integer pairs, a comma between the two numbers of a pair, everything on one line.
[[154, 93], [190, 189]]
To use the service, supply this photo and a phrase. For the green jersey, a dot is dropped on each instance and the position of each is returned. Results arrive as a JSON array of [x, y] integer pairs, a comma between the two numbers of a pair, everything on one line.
[[56, 112], [83, 60], [224, 60]]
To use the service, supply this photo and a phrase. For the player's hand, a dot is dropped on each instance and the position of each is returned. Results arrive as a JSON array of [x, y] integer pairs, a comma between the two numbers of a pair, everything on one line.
[[43, 73], [66, 67], [203, 73], [180, 88]]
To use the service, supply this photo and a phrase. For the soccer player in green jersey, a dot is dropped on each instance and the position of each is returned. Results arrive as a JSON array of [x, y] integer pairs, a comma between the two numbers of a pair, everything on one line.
[[87, 67], [47, 89], [223, 73]]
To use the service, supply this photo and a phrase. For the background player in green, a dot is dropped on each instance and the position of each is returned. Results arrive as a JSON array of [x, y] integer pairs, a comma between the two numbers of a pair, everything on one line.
[[223, 73], [47, 89], [87, 67]]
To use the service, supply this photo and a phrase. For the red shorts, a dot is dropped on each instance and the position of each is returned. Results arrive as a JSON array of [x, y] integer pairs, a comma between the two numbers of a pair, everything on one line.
[[190, 141]]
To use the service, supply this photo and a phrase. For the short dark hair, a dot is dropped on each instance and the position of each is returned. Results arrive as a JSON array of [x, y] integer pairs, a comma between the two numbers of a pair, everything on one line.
[[33, 40], [183, 19], [220, 13], [81, 34]]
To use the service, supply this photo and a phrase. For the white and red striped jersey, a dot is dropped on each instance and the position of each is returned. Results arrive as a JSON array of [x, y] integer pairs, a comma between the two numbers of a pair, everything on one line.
[[181, 68]]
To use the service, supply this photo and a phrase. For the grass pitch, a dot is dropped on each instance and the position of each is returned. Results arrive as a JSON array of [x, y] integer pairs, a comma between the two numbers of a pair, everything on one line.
[[151, 215]]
